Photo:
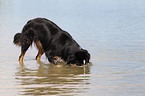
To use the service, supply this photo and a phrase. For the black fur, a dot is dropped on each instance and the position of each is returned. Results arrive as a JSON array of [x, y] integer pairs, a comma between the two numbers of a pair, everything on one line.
[[54, 42]]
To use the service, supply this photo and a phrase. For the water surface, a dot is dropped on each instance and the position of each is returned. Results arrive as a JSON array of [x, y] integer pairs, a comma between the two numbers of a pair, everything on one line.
[[113, 31]]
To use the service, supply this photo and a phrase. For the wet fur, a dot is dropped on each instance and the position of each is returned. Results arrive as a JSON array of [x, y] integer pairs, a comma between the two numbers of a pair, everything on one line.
[[51, 40]]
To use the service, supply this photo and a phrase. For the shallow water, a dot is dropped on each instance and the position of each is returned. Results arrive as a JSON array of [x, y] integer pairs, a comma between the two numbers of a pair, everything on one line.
[[111, 30]]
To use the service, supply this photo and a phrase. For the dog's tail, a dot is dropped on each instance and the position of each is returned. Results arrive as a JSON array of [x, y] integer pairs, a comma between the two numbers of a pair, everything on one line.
[[25, 38], [17, 39]]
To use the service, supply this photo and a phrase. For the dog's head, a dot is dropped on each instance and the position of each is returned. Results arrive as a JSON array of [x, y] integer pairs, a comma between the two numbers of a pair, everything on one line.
[[79, 58]]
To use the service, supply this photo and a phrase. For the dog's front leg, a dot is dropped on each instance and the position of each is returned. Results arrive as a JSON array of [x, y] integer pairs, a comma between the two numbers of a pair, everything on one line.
[[51, 60], [50, 56]]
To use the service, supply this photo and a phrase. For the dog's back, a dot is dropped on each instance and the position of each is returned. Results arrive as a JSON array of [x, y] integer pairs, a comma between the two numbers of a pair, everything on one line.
[[39, 28]]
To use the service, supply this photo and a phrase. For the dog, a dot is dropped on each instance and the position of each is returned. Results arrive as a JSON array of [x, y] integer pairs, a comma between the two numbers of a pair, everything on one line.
[[51, 40]]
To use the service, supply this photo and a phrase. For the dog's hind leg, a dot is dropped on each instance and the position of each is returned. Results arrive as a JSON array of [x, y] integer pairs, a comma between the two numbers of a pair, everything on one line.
[[24, 48], [21, 56], [40, 49]]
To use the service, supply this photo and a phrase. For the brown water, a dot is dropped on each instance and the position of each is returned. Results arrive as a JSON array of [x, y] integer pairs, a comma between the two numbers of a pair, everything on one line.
[[113, 31]]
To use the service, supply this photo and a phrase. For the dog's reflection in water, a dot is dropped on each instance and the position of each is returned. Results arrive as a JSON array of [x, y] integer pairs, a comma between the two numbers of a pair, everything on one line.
[[50, 79]]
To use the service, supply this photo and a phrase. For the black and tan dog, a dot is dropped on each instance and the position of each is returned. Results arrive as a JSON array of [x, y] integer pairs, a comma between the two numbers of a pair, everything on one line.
[[51, 40]]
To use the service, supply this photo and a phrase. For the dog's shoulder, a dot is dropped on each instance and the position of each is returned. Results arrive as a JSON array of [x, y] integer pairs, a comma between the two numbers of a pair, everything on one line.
[[65, 36]]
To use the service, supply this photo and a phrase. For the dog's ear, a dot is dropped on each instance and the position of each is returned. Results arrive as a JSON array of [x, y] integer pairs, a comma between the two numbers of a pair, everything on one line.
[[80, 54], [83, 54]]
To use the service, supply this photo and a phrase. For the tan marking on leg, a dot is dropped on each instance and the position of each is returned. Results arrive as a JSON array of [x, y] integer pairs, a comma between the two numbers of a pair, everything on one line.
[[40, 49], [21, 64], [22, 56], [38, 58]]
